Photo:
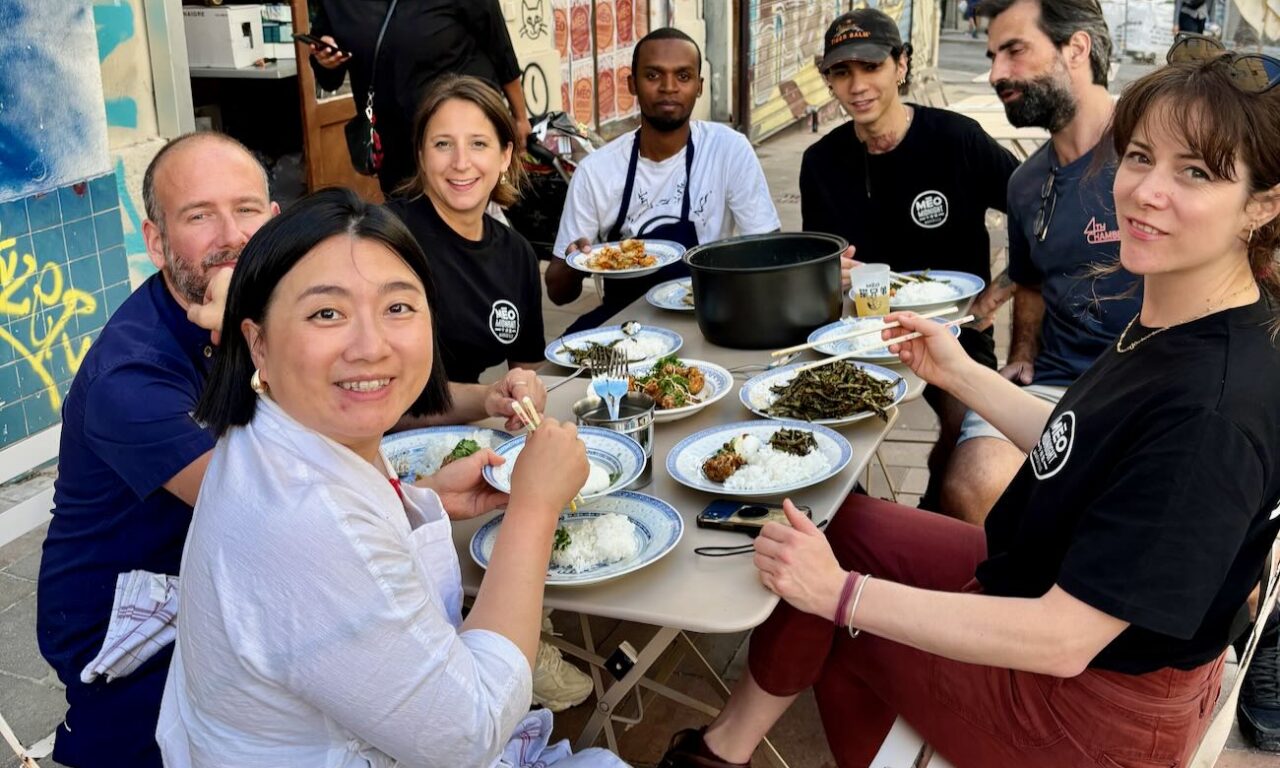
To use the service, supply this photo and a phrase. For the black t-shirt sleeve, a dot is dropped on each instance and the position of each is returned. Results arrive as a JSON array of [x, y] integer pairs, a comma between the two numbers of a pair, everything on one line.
[[1157, 544], [1021, 269], [490, 28], [329, 79], [991, 165], [531, 342], [813, 205]]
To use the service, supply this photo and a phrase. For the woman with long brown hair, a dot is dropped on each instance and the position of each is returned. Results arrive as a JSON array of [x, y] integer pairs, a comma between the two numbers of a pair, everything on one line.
[[1088, 625]]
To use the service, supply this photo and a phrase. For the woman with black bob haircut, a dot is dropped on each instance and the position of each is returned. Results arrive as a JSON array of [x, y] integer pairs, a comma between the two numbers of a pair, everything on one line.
[[321, 617]]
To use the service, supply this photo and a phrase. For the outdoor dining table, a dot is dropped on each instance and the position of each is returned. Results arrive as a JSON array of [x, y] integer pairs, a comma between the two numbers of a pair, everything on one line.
[[682, 591]]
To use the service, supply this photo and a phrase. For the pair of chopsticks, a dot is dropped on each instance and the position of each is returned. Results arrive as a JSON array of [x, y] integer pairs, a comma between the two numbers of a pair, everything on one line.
[[901, 278], [881, 345], [863, 332], [527, 413]]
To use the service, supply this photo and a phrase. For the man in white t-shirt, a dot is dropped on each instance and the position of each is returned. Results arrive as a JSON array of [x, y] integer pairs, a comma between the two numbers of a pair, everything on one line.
[[673, 179]]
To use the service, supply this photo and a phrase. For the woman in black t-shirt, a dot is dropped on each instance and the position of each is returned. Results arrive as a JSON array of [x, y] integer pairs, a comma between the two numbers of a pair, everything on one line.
[[490, 291], [1088, 626]]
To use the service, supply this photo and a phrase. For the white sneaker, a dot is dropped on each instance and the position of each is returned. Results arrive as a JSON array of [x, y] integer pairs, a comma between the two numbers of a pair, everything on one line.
[[557, 684]]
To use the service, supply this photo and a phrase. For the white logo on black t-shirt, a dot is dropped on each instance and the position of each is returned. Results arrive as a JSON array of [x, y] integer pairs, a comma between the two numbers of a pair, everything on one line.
[[1051, 453], [504, 321], [1275, 513], [929, 209]]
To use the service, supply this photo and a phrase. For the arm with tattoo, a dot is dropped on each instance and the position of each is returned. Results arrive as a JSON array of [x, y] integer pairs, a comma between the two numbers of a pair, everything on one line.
[[991, 299]]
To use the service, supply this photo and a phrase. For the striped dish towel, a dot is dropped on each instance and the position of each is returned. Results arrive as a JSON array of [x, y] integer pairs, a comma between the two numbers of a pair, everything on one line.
[[144, 619]]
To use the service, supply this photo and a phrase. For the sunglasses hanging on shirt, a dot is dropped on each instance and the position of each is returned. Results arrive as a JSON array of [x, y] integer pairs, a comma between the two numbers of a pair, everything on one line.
[[1048, 201], [1250, 72]]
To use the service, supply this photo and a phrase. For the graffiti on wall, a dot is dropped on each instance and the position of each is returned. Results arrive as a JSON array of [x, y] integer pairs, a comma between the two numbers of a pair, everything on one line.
[[51, 129], [786, 40], [38, 302], [533, 19]]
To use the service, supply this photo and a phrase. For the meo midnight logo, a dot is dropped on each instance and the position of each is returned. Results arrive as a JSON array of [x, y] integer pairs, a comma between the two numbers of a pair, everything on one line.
[[929, 209], [504, 321], [1051, 453]]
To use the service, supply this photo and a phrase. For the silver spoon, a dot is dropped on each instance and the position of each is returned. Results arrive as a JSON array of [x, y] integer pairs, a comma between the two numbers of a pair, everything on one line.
[[630, 328], [781, 361]]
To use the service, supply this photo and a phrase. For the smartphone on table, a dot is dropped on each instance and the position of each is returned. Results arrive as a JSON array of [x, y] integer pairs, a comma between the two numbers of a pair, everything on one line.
[[745, 516], [317, 42]]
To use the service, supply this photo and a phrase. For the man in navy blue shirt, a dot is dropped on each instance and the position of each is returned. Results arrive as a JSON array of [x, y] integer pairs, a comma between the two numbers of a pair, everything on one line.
[[1049, 67], [132, 459]]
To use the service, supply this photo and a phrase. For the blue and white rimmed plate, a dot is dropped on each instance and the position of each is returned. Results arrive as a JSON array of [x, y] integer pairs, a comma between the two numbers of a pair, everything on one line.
[[658, 528], [675, 295], [877, 354], [664, 252], [618, 455], [756, 394], [420, 452], [963, 285], [684, 462], [717, 382], [649, 343]]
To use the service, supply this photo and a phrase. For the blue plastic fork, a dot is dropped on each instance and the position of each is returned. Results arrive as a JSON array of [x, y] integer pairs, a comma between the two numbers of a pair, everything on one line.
[[610, 382]]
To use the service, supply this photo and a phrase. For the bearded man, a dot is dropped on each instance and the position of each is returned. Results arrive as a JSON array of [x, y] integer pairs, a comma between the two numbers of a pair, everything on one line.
[[1049, 63]]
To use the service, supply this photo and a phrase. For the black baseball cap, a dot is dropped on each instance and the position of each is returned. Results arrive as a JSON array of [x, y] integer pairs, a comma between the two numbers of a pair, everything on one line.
[[862, 35]]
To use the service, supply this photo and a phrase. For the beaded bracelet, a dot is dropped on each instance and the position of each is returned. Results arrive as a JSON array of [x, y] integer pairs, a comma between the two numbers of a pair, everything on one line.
[[845, 594], [862, 583]]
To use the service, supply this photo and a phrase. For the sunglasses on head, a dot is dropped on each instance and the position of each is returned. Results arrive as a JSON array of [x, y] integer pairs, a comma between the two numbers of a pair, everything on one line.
[[1250, 72]]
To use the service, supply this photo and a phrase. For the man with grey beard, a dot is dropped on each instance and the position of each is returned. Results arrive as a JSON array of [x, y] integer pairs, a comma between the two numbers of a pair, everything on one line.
[[132, 459], [1049, 63]]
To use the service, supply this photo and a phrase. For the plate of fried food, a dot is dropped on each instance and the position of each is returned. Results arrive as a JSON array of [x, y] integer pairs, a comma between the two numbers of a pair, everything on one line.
[[680, 387], [626, 258], [835, 394], [758, 458]]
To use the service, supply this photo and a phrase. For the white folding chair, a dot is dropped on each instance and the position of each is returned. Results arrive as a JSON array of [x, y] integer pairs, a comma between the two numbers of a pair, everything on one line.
[[904, 748]]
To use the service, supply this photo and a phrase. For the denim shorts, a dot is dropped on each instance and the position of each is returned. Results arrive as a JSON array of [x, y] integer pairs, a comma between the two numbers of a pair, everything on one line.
[[976, 426]]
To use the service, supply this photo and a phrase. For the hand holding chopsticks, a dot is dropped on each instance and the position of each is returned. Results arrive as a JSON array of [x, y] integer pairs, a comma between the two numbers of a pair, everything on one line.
[[857, 333], [881, 345], [529, 415]]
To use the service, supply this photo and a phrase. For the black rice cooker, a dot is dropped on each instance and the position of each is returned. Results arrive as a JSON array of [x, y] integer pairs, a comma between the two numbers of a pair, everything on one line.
[[766, 291]]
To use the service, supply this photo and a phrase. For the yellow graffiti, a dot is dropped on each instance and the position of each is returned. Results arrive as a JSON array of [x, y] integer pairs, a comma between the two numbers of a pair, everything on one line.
[[49, 307]]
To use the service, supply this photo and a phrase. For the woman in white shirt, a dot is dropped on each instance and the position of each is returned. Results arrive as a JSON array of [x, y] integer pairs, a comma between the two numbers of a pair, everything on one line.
[[321, 601]]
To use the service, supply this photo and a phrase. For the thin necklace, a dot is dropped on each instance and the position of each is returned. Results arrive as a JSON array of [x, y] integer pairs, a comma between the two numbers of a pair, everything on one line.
[[1121, 348]]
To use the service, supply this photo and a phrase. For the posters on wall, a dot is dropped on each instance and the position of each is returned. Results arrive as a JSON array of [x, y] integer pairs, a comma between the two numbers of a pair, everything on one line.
[[52, 117]]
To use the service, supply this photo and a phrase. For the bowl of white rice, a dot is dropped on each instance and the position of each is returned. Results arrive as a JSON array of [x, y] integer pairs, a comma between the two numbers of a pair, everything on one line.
[[605, 539], [942, 288], [418, 453], [867, 347], [614, 459]]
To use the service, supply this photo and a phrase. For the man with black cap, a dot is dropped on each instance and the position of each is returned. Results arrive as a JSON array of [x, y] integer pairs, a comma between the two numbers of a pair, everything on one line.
[[906, 185]]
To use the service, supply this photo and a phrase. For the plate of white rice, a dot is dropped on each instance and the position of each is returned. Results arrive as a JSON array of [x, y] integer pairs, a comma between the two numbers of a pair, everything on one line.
[[616, 461], [875, 351], [649, 343], [420, 452], [767, 471], [603, 540], [943, 287]]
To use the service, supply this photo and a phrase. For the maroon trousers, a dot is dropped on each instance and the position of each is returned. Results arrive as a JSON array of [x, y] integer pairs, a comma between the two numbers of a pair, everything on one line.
[[975, 716]]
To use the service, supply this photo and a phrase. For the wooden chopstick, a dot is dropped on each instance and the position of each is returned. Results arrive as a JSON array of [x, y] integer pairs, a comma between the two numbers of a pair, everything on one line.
[[881, 345], [855, 334], [529, 415]]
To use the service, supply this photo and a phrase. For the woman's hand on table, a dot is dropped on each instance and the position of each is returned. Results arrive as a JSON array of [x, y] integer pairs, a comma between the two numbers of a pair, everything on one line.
[[847, 263], [936, 356], [462, 488], [551, 468], [796, 563], [516, 385]]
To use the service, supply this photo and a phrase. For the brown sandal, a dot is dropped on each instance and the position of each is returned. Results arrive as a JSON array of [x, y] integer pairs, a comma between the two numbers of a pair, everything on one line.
[[689, 750]]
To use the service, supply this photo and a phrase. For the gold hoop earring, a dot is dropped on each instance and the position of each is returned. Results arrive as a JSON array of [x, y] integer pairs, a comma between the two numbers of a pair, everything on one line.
[[256, 384]]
